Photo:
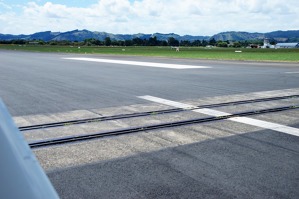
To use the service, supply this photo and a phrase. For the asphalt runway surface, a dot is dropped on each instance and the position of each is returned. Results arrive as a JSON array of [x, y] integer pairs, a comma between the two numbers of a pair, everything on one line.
[[34, 83], [254, 156]]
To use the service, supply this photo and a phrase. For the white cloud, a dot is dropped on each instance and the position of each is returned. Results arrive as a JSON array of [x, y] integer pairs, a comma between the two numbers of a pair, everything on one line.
[[149, 16], [4, 6]]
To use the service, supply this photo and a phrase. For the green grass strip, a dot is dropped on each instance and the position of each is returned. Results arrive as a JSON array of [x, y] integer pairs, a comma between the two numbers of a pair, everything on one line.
[[274, 55]]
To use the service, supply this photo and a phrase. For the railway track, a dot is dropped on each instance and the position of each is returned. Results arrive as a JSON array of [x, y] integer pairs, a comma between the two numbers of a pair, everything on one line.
[[85, 137], [149, 113]]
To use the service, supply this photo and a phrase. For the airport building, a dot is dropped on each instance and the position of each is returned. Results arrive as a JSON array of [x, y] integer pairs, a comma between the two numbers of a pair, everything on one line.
[[287, 45], [279, 45]]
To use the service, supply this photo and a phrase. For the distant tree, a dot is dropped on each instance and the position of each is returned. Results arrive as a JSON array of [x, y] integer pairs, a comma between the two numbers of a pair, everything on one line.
[[164, 43], [4, 42], [137, 42], [244, 43], [128, 42], [145, 42], [87, 42], [185, 43], [196, 43], [53, 43], [97, 42], [18, 41], [41, 42], [107, 41], [236, 45], [64, 42], [204, 43], [212, 42], [173, 42], [222, 44], [115, 43], [121, 43], [152, 41]]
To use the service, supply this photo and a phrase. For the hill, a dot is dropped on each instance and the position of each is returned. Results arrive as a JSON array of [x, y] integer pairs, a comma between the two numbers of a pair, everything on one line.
[[237, 36], [290, 35], [81, 35]]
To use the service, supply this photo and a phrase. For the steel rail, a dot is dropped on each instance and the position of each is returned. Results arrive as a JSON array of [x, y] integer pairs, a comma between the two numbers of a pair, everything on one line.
[[85, 137], [141, 114]]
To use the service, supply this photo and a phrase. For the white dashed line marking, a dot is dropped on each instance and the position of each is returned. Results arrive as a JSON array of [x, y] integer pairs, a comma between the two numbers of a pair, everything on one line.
[[137, 63], [211, 112]]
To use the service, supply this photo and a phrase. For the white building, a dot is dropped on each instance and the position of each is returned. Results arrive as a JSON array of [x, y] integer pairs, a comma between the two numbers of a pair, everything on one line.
[[287, 45], [267, 44]]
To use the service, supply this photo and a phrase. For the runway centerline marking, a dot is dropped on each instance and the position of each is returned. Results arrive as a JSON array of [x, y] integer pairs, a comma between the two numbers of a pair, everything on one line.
[[137, 63], [211, 112], [294, 72]]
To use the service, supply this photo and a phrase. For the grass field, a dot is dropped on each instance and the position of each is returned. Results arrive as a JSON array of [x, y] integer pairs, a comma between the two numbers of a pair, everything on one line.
[[283, 55]]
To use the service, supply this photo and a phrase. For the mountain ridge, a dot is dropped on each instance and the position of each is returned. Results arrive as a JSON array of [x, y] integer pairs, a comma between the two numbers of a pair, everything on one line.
[[281, 36], [81, 35]]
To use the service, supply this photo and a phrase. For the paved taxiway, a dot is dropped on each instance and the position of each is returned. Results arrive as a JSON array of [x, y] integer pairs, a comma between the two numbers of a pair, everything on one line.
[[221, 159]]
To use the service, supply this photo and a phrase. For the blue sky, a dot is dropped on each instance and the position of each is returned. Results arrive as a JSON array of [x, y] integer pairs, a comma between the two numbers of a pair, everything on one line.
[[76, 3], [194, 17], [72, 3]]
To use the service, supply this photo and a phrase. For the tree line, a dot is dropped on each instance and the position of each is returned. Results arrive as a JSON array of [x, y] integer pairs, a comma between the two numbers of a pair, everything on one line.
[[152, 41]]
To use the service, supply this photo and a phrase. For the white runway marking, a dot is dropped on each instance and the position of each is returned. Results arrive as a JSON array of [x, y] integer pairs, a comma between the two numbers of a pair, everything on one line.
[[137, 63], [211, 112], [295, 72]]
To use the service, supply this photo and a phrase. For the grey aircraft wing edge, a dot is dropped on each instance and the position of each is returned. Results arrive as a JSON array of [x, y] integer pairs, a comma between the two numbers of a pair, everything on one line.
[[21, 175]]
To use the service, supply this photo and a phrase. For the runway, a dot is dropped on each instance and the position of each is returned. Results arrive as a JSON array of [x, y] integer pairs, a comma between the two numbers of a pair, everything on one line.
[[35, 83], [165, 128]]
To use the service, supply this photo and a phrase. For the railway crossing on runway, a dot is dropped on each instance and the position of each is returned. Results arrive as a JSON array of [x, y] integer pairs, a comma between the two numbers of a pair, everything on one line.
[[124, 137], [223, 129]]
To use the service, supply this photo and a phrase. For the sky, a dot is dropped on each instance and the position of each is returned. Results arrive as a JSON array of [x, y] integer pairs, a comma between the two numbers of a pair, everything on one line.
[[184, 17]]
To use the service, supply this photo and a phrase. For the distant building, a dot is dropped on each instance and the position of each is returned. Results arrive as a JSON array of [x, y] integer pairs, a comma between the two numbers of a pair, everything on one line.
[[267, 44], [287, 45], [33, 42], [254, 46]]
